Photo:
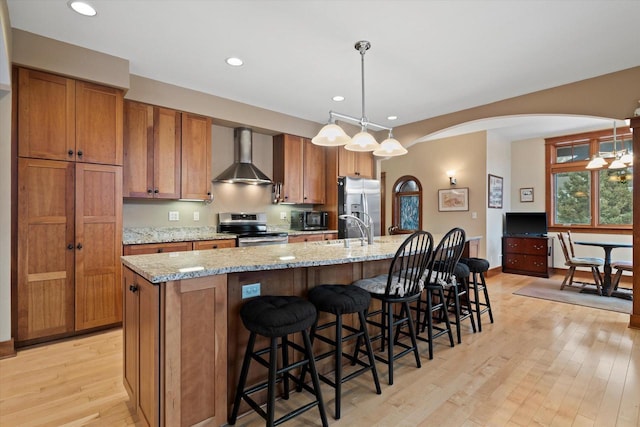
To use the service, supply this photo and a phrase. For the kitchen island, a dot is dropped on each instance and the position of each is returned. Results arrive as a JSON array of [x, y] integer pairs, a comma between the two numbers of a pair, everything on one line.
[[183, 337]]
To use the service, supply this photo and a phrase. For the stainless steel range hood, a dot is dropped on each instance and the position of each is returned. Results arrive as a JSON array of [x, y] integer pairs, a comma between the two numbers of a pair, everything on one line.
[[242, 170]]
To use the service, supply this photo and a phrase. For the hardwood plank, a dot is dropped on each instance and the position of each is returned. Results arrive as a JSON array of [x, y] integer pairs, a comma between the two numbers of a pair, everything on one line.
[[540, 363]]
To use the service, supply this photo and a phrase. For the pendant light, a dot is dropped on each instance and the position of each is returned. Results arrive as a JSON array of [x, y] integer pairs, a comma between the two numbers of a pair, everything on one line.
[[334, 135]]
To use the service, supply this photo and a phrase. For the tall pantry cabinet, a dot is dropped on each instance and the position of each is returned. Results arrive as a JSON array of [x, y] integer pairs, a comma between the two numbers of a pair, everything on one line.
[[69, 136]]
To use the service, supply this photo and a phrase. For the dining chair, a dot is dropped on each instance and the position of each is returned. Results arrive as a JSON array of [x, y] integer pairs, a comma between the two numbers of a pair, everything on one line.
[[400, 287], [620, 267], [573, 252], [573, 262], [440, 276]]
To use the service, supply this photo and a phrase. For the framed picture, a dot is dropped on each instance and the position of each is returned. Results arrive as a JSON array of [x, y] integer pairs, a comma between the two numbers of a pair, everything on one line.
[[526, 194], [495, 191], [454, 199]]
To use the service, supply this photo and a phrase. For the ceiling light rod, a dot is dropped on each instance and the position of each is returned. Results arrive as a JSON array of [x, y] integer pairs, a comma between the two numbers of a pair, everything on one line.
[[362, 121]]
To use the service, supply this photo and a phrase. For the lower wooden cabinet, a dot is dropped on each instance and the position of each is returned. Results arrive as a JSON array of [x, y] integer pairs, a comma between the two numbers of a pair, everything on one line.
[[196, 245], [526, 255], [199, 245], [188, 314], [312, 237], [68, 264]]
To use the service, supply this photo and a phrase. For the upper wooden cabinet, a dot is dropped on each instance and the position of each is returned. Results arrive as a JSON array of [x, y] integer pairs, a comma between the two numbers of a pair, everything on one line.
[[64, 119], [299, 166], [355, 163], [196, 157], [152, 151]]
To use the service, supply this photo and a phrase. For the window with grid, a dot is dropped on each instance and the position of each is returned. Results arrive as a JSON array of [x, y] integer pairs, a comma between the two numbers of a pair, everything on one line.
[[589, 199]]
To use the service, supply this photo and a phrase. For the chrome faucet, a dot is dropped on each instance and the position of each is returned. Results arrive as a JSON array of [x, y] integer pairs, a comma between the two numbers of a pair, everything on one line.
[[366, 230]]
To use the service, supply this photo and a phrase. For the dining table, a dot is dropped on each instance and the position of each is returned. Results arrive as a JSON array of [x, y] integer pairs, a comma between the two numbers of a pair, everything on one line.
[[606, 276]]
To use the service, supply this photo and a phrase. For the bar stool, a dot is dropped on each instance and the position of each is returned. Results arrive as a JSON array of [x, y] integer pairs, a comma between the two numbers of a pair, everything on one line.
[[458, 298], [276, 317], [339, 300], [478, 267]]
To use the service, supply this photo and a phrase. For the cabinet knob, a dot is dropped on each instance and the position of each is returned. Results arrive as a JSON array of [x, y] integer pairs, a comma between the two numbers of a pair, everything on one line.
[[70, 153], [160, 250], [215, 246], [79, 153], [133, 288], [79, 246], [70, 246], [156, 191], [208, 193], [149, 191]]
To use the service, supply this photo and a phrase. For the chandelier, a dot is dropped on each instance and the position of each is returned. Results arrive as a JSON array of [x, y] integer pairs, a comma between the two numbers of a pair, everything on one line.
[[333, 135], [621, 159]]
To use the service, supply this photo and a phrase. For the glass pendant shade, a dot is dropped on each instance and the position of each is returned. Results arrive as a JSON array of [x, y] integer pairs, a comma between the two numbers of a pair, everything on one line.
[[362, 141], [331, 135], [390, 147], [596, 163], [627, 159], [617, 164]]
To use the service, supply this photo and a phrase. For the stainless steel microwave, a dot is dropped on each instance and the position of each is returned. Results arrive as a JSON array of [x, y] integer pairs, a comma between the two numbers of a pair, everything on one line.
[[309, 220]]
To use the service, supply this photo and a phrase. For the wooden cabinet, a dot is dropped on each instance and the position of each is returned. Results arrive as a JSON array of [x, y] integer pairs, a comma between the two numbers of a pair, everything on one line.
[[312, 237], [152, 151], [189, 314], [196, 157], [141, 346], [157, 248], [299, 166], [199, 245], [64, 119], [526, 255], [70, 228], [355, 163]]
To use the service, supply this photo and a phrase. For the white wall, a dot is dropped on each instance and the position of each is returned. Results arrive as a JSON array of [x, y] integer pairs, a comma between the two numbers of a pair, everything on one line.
[[498, 163]]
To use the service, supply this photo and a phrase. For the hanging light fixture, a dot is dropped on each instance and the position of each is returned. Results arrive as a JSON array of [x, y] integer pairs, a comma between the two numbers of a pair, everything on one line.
[[616, 163], [621, 159], [334, 135]]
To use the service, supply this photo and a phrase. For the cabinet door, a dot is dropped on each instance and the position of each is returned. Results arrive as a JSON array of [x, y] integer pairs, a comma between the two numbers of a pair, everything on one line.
[[98, 245], [166, 153], [196, 157], [288, 161], [364, 164], [314, 173], [138, 150], [148, 351], [46, 116], [130, 328], [98, 124], [354, 163], [46, 248]]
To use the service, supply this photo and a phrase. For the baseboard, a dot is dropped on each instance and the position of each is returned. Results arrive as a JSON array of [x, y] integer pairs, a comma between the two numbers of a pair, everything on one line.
[[493, 271], [7, 349]]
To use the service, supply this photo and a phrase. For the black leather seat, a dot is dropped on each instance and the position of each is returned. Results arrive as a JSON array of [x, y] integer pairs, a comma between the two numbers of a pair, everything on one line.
[[276, 317], [478, 268]]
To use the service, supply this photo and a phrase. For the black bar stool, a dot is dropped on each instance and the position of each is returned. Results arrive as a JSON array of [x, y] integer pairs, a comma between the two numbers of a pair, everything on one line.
[[478, 267], [458, 298], [276, 317], [339, 300]]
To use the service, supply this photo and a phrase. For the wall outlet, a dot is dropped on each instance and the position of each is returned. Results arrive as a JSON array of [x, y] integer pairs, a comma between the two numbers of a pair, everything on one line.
[[474, 215], [174, 216], [251, 290], [283, 215], [196, 216]]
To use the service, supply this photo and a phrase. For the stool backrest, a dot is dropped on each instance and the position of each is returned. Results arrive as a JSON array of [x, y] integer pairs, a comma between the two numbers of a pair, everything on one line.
[[445, 257], [409, 264]]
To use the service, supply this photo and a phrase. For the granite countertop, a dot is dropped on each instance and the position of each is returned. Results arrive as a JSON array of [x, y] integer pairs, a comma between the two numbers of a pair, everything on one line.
[[165, 267], [142, 235]]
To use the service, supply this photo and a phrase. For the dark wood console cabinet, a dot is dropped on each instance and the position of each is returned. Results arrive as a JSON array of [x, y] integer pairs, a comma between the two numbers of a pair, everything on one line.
[[526, 255]]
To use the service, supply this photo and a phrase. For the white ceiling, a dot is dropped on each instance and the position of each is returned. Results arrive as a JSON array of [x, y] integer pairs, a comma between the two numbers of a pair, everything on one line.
[[427, 57]]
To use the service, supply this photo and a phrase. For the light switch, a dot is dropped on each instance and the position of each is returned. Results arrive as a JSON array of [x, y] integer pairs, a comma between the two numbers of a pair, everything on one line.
[[474, 215], [196, 216]]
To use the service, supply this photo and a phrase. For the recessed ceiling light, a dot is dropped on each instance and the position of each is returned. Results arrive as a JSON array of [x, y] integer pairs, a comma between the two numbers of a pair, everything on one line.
[[338, 98], [83, 8], [234, 62], [392, 118]]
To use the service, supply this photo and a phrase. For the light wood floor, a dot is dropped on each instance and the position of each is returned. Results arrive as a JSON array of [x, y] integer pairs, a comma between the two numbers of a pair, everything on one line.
[[542, 363]]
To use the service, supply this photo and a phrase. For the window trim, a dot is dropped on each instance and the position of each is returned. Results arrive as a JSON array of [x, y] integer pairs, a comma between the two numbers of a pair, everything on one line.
[[395, 211], [551, 167]]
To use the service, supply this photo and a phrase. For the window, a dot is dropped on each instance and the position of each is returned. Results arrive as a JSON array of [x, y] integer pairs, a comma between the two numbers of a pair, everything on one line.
[[580, 198], [407, 205]]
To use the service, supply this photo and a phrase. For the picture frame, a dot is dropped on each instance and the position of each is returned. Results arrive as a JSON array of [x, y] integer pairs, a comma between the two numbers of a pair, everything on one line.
[[526, 194], [495, 192], [453, 199]]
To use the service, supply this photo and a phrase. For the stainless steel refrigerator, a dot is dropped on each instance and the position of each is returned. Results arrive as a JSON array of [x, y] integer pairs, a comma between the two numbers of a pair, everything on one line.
[[355, 196]]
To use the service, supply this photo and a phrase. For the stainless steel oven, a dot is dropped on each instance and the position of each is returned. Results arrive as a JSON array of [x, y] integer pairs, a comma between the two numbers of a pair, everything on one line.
[[250, 229]]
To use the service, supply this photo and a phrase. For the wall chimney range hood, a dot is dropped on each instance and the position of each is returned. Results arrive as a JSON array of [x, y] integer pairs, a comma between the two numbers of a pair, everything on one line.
[[242, 170]]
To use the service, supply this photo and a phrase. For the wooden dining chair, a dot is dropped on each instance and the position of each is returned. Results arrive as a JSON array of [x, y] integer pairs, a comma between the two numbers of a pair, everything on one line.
[[574, 262], [619, 267]]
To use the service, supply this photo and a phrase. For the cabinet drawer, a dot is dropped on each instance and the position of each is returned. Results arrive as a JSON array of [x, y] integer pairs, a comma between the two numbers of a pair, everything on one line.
[[200, 245], [157, 248], [528, 263], [306, 238], [526, 245]]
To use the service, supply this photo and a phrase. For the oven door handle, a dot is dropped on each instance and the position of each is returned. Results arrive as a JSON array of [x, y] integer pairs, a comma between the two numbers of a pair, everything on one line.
[[263, 239]]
